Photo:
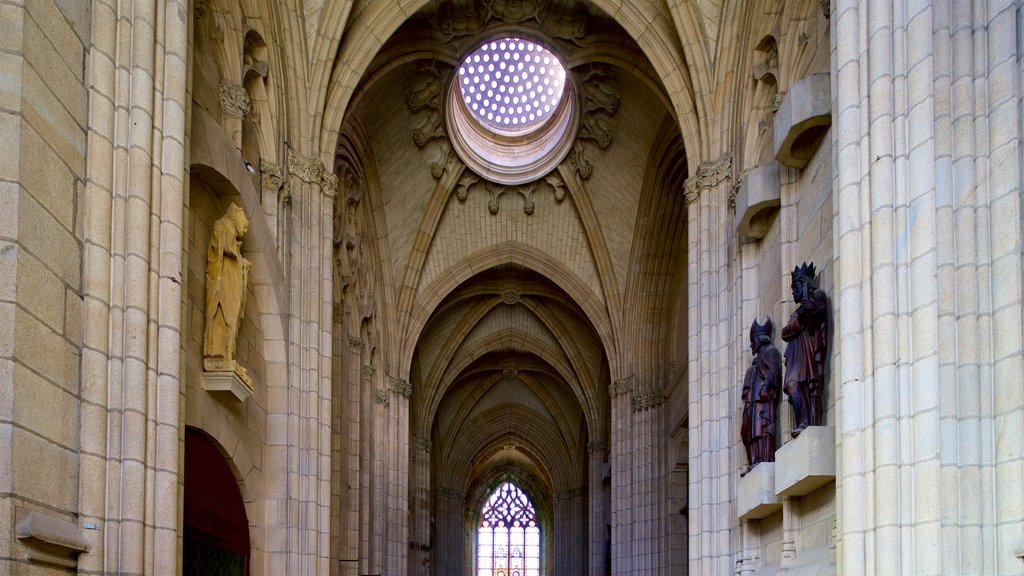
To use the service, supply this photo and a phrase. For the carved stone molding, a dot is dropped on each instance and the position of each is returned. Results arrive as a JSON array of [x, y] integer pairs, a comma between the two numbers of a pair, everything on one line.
[[597, 446], [600, 102], [355, 343], [510, 297], [368, 373], [234, 100], [510, 372], [647, 401], [421, 444], [450, 494], [571, 494], [709, 175], [382, 397], [469, 19], [399, 386], [312, 171], [620, 387], [470, 181]]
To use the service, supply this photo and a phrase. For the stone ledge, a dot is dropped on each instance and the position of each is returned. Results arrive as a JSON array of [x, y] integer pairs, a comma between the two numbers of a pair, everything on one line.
[[226, 386], [802, 120], [755, 493], [806, 462], [51, 540], [759, 195]]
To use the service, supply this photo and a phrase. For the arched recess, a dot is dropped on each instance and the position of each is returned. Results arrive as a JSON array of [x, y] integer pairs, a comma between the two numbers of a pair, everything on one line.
[[215, 521]]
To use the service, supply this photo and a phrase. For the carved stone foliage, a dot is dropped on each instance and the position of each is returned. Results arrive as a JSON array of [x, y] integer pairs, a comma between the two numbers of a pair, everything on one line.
[[456, 19], [470, 182], [620, 387], [272, 180], [600, 101], [312, 171], [643, 402], [425, 100], [234, 100], [709, 174], [399, 386]]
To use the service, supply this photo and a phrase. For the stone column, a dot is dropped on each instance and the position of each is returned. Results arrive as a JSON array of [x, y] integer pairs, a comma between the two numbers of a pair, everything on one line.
[[929, 282], [599, 516], [711, 376], [421, 549], [299, 423], [622, 492], [396, 498], [650, 494], [570, 533], [131, 390]]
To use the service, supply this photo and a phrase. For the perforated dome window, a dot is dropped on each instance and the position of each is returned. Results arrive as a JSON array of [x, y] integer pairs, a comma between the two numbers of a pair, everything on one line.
[[511, 110], [511, 83]]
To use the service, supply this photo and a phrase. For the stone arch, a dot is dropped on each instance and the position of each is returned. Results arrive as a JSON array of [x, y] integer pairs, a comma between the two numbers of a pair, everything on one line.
[[345, 69], [523, 255]]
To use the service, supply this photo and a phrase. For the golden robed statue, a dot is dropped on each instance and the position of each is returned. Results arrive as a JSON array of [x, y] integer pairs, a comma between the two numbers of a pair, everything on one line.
[[227, 278]]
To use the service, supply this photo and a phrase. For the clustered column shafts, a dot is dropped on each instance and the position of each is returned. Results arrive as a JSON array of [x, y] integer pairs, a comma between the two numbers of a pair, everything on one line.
[[711, 381], [928, 221], [133, 229]]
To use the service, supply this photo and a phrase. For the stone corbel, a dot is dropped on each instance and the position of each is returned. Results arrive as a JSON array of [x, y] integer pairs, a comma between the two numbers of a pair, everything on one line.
[[802, 120], [51, 540], [620, 387], [758, 197], [399, 386]]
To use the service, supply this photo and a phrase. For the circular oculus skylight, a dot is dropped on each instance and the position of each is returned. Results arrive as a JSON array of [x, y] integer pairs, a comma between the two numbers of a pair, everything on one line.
[[511, 84]]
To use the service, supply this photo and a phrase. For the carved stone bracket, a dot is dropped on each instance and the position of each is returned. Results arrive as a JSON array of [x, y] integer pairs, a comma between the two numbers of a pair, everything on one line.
[[510, 372], [647, 401], [234, 100], [312, 171], [399, 386], [383, 398], [368, 373], [597, 446], [470, 181], [620, 387], [709, 175]]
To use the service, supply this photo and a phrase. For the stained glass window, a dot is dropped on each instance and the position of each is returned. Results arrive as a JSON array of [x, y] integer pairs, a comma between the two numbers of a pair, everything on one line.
[[508, 538]]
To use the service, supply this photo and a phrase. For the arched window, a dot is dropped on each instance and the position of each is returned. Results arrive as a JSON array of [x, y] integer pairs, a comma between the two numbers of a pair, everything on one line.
[[508, 540]]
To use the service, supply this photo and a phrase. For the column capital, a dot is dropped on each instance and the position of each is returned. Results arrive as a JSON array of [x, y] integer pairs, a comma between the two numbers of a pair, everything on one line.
[[709, 174]]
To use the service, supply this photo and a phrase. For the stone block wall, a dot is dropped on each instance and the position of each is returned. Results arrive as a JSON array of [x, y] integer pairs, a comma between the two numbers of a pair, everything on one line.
[[43, 118]]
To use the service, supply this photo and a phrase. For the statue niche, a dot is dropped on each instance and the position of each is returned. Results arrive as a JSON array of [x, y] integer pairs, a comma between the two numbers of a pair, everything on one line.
[[227, 278], [761, 396], [806, 351]]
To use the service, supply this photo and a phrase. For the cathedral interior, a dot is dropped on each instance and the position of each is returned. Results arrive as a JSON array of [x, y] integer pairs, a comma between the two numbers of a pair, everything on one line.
[[511, 287]]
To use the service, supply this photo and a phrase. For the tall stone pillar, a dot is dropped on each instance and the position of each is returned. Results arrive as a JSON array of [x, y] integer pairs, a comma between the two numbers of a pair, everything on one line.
[[711, 376], [570, 532], [598, 517], [299, 423], [130, 378], [421, 545], [929, 282], [396, 496], [622, 491]]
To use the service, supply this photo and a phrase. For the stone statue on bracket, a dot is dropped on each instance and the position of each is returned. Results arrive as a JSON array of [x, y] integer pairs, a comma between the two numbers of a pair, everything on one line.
[[761, 396], [227, 279], [806, 351]]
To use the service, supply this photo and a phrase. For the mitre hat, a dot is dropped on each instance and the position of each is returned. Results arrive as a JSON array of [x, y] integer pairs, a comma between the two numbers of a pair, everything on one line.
[[761, 329]]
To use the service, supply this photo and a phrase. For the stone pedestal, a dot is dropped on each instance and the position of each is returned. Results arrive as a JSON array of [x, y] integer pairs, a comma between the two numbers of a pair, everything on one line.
[[755, 493], [759, 196], [807, 462], [802, 120], [227, 386]]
